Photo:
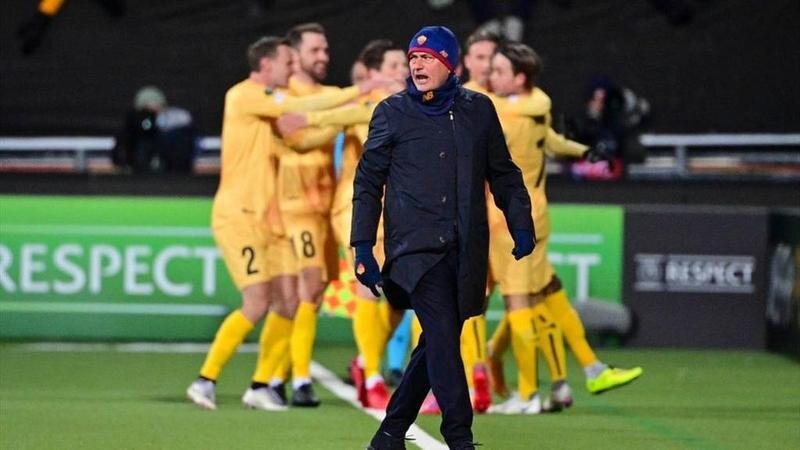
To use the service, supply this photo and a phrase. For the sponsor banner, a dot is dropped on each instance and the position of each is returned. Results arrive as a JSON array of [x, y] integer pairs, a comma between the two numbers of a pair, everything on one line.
[[103, 268], [694, 273], [585, 249], [696, 277], [110, 268]]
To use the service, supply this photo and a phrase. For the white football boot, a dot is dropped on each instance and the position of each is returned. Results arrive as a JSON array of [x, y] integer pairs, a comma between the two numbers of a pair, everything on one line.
[[265, 399], [202, 393], [516, 405], [559, 398]]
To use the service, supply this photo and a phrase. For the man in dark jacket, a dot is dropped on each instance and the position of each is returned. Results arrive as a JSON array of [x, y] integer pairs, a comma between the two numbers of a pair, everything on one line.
[[433, 147]]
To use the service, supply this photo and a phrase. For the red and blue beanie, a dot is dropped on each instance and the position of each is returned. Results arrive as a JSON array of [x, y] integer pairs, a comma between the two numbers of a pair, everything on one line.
[[437, 41]]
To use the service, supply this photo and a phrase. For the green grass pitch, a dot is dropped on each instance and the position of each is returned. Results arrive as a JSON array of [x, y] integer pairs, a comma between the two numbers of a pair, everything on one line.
[[104, 399]]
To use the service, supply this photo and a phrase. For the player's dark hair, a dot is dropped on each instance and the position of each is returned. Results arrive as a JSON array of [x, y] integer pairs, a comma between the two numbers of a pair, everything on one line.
[[295, 34], [373, 53], [523, 60], [264, 47], [481, 35]]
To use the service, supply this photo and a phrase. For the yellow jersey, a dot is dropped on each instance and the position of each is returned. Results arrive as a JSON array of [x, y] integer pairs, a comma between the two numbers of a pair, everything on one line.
[[474, 86], [249, 148], [306, 180], [355, 117], [530, 139]]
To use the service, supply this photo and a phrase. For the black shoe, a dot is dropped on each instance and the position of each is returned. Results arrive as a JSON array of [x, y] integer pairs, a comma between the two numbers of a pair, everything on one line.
[[385, 441], [394, 377], [280, 389], [304, 396]]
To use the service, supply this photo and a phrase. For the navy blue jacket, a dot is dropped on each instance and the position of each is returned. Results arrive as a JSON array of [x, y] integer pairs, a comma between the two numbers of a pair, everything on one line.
[[434, 171]]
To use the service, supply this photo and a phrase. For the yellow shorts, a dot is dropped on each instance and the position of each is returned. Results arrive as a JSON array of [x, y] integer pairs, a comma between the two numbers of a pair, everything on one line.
[[246, 249], [302, 247], [342, 224], [527, 276]]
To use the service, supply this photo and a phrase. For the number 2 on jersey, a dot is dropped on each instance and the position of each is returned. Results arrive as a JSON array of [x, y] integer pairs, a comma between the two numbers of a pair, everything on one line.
[[250, 254]]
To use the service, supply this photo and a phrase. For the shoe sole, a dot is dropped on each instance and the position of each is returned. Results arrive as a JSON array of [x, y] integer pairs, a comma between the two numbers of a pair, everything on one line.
[[249, 404], [262, 408], [305, 404], [200, 400]]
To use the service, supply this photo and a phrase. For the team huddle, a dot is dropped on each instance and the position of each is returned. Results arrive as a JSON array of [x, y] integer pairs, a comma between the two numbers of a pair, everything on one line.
[[281, 212]]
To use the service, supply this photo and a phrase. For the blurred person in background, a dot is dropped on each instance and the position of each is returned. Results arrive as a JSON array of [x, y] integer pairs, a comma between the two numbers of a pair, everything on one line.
[[156, 137], [246, 223], [480, 48], [358, 72], [136, 141], [305, 183], [539, 311], [606, 123], [177, 140], [373, 321]]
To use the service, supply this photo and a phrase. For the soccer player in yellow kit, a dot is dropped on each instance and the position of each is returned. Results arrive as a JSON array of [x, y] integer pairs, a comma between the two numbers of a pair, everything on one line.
[[479, 48], [243, 214], [305, 188], [514, 68], [373, 321]]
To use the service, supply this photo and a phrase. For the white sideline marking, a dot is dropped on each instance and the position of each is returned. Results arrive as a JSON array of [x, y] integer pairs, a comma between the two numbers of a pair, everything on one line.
[[323, 375], [347, 393]]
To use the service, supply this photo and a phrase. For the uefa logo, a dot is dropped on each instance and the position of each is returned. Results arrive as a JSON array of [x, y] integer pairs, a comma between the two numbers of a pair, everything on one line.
[[694, 273]]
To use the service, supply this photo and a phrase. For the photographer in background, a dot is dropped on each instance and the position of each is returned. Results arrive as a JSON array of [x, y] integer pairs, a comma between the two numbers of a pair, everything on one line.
[[611, 113], [153, 129]]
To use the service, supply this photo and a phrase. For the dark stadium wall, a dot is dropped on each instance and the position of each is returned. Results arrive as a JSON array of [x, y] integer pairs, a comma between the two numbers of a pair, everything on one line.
[[733, 69]]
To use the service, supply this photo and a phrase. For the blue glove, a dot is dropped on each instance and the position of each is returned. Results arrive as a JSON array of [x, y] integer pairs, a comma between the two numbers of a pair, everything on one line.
[[524, 241], [367, 271]]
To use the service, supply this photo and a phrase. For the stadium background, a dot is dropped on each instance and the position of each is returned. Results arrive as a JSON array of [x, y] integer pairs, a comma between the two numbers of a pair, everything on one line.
[[734, 69]]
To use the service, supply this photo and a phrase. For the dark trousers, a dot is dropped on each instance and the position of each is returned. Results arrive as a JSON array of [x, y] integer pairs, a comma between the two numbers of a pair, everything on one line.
[[436, 362]]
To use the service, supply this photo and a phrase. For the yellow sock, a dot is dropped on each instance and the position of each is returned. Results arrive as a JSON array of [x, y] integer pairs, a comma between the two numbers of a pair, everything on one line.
[[303, 334], [369, 333], [473, 345], [571, 326], [499, 342], [390, 318], [416, 331], [550, 342], [273, 346], [523, 344], [282, 369], [229, 336]]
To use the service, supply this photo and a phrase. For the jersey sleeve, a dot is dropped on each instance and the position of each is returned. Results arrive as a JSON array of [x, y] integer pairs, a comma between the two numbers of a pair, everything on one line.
[[277, 103], [345, 115], [557, 144], [311, 137], [523, 105]]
